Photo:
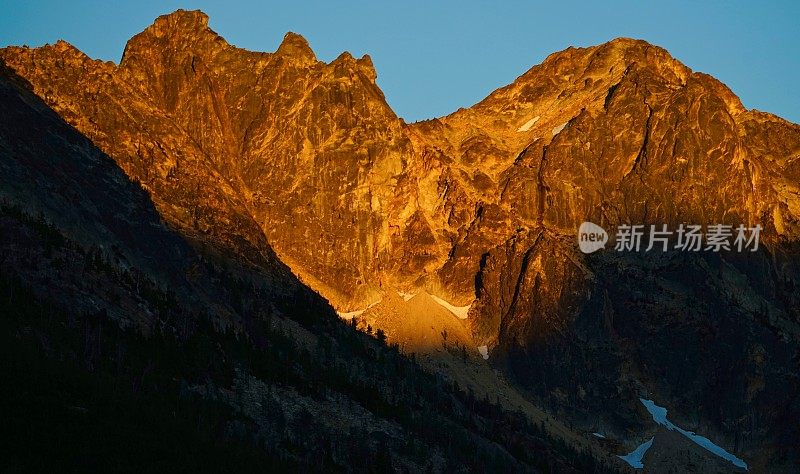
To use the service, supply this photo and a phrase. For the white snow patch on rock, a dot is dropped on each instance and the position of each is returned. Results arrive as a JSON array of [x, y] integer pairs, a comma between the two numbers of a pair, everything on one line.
[[599, 435], [558, 129], [484, 351], [351, 314], [406, 296], [659, 415], [527, 125], [635, 456], [460, 311]]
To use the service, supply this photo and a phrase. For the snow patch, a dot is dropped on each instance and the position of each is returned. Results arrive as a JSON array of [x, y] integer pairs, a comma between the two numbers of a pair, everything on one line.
[[352, 314], [599, 435], [484, 351], [558, 129], [659, 415], [406, 296], [634, 458], [527, 125], [460, 311]]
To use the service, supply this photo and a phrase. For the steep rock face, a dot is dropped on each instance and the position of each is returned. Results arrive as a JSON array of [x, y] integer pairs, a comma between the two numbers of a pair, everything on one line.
[[238, 144], [234, 145], [52, 172], [126, 348], [645, 142], [300, 140], [620, 133], [239, 148], [151, 146]]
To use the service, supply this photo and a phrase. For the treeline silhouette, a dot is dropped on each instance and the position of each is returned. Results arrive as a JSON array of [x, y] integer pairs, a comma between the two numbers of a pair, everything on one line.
[[85, 390]]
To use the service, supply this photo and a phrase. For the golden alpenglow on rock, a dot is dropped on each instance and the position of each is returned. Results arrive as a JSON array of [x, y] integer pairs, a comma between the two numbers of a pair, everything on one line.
[[259, 240]]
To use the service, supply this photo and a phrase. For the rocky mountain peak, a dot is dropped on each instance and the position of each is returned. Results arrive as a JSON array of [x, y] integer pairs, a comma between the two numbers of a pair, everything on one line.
[[295, 47], [345, 64], [174, 34], [179, 21], [249, 151], [64, 47], [421, 196], [368, 67]]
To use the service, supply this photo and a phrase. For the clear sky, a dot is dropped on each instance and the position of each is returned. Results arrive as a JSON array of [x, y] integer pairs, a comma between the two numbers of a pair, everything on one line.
[[434, 57]]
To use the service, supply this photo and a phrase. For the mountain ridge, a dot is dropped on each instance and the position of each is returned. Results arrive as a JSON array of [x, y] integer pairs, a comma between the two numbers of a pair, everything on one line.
[[249, 151], [130, 346]]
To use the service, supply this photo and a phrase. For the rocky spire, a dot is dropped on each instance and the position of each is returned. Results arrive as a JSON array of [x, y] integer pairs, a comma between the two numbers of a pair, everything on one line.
[[296, 48], [180, 30]]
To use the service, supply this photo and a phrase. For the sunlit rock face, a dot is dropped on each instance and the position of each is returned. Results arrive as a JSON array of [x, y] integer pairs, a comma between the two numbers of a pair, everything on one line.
[[238, 147], [243, 150]]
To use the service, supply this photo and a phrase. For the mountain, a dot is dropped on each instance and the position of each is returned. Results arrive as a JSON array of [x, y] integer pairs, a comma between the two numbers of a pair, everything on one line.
[[275, 160], [132, 344]]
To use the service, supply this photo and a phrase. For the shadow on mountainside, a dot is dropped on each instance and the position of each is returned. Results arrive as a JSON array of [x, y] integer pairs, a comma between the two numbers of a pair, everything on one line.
[[131, 347]]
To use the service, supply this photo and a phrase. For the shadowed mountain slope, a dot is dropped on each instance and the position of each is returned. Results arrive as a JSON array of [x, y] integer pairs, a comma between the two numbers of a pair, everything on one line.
[[131, 346]]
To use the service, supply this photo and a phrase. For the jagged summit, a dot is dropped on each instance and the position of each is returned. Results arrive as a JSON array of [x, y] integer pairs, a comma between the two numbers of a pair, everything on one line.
[[366, 63], [171, 34], [296, 47], [240, 149], [178, 25], [258, 120], [179, 21]]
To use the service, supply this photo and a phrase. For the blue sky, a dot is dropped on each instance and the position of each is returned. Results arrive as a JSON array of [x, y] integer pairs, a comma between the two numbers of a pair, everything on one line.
[[434, 57]]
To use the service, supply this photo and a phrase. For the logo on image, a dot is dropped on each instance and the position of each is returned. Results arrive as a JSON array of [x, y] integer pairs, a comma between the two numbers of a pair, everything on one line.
[[591, 237], [686, 238]]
